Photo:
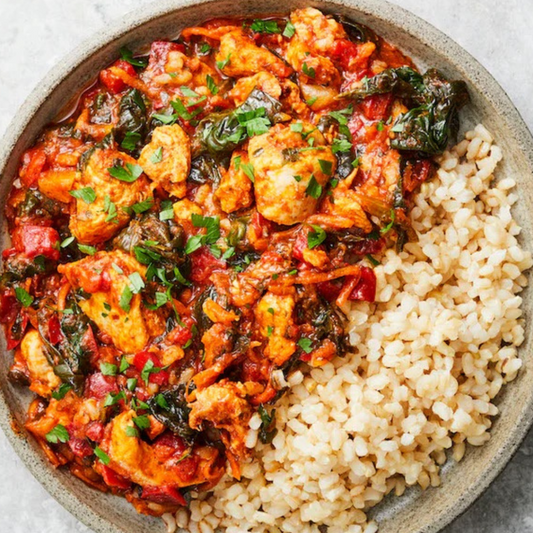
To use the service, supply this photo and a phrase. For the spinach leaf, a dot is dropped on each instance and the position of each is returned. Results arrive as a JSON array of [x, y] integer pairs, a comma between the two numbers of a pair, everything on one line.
[[131, 119], [220, 133], [170, 408]]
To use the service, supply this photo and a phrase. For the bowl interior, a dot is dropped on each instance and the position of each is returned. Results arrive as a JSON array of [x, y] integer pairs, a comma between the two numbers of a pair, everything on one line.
[[416, 511]]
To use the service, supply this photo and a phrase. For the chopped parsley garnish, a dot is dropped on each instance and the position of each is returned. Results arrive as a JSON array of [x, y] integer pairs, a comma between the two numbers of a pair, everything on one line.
[[270, 310], [86, 194], [372, 260], [108, 369], [60, 393], [128, 173], [23, 297], [137, 283], [127, 55], [211, 224], [124, 365], [326, 166], [165, 119], [270, 330], [58, 434], [113, 399], [125, 299], [297, 126], [311, 101], [265, 26], [131, 431], [223, 64], [181, 109], [149, 368], [389, 226], [380, 125], [104, 458], [162, 402], [205, 48], [289, 30], [142, 422], [255, 121], [315, 237], [130, 140], [110, 208], [305, 344], [397, 128], [314, 189], [145, 205], [131, 384], [248, 169], [157, 156], [86, 249], [341, 145], [167, 212], [211, 85], [67, 242], [308, 71]]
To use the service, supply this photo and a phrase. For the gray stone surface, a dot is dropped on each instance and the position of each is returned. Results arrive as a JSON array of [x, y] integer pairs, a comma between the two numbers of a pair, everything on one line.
[[35, 34]]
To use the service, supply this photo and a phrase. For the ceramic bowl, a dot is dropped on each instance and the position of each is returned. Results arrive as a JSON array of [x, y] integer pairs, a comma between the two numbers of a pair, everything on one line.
[[415, 512]]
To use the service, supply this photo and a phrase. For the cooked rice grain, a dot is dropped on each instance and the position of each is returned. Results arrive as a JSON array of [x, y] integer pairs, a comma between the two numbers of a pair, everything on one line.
[[428, 361]]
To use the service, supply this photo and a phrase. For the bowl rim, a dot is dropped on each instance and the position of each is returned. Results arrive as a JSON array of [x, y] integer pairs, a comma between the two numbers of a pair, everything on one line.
[[412, 24]]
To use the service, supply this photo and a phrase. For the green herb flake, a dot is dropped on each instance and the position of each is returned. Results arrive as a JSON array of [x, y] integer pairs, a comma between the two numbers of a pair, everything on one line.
[[270, 330], [205, 48], [61, 392], [315, 237], [305, 344], [341, 145], [131, 431], [128, 173], [86, 194], [389, 226], [124, 365], [165, 119], [67, 242], [145, 205], [127, 55], [314, 189], [221, 65], [289, 30], [157, 156], [162, 402], [248, 170], [130, 141], [108, 369], [194, 243], [58, 434], [297, 126], [270, 310], [308, 71], [326, 166], [211, 85], [104, 458], [113, 399], [311, 101], [142, 422], [380, 125], [131, 384], [125, 299], [372, 260], [265, 26], [23, 297], [86, 249], [167, 211]]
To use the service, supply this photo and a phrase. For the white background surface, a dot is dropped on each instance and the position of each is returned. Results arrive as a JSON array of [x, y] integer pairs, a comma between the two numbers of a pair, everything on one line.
[[36, 34]]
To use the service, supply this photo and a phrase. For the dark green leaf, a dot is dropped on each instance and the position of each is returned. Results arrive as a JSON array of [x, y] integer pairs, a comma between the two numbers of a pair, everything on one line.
[[58, 434], [86, 194], [23, 297], [127, 55], [104, 458], [315, 237], [305, 344], [313, 189]]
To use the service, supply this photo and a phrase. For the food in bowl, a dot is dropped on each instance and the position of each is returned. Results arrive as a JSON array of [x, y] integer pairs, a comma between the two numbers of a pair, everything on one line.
[[244, 241]]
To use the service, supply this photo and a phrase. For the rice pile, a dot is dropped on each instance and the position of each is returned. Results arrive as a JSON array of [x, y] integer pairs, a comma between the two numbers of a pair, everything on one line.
[[429, 357]]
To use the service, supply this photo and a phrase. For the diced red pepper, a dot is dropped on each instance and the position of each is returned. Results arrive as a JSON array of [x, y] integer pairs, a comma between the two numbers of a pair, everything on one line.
[[54, 330], [90, 346], [98, 386], [365, 289], [345, 52], [139, 361], [329, 290], [36, 240], [113, 83], [261, 226], [112, 479], [163, 495], [416, 173], [33, 163], [203, 265], [377, 106]]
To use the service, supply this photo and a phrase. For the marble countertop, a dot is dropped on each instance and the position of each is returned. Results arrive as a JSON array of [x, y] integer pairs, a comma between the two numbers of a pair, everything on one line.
[[35, 34]]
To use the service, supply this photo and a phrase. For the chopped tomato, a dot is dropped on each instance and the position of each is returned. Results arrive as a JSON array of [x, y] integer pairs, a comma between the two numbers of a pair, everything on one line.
[[180, 335], [99, 386], [80, 447], [113, 83], [36, 240], [33, 163], [377, 106], [365, 289], [95, 431], [160, 377], [416, 173], [203, 264], [164, 494], [113, 479], [329, 290], [347, 54]]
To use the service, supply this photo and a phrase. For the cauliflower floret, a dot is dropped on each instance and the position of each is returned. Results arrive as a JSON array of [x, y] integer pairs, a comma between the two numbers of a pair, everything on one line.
[[291, 167], [274, 317], [166, 160], [105, 276], [242, 57], [98, 221], [235, 189]]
